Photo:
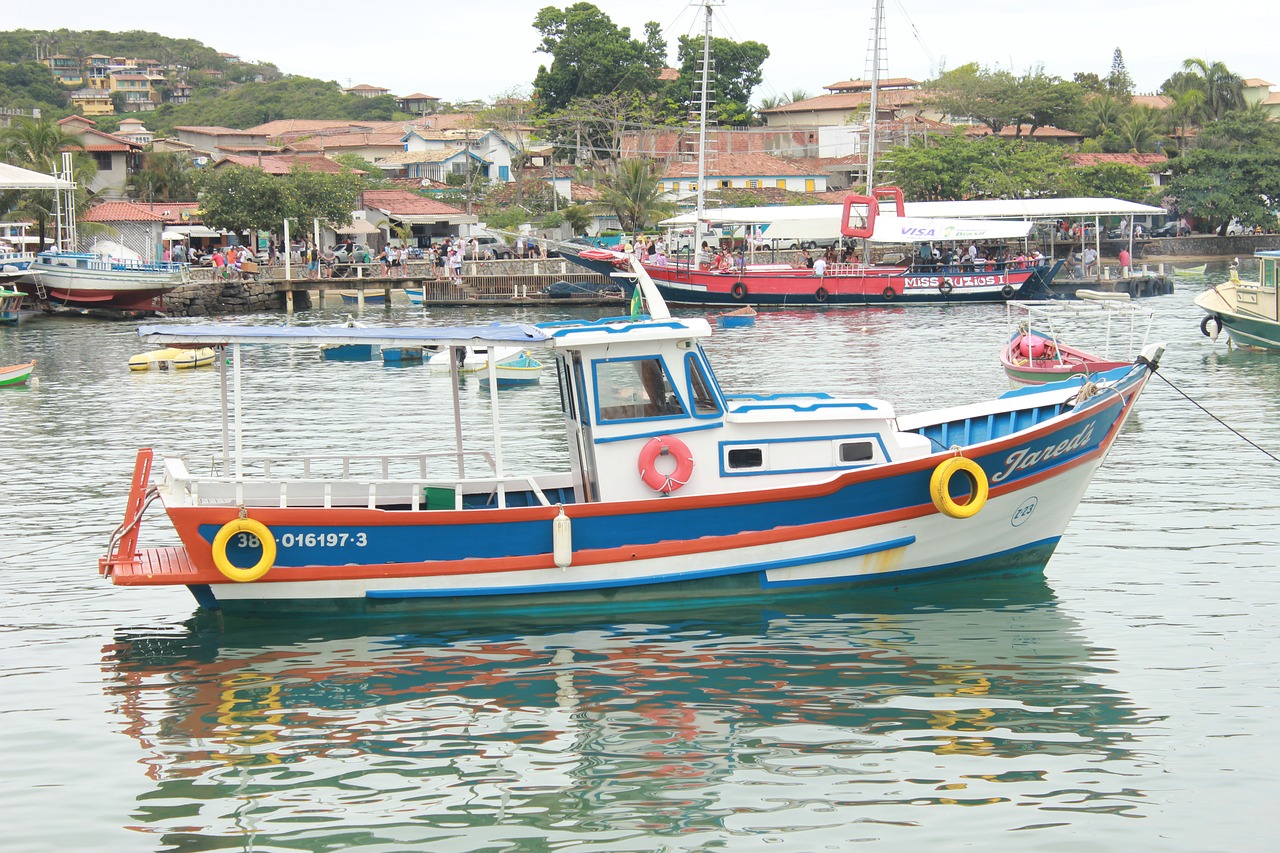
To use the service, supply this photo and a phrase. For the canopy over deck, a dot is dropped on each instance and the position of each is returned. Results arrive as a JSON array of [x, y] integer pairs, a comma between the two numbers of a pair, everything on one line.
[[16, 178], [224, 335]]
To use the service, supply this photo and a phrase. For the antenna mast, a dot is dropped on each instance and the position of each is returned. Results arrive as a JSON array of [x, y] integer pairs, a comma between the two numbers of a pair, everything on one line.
[[875, 52]]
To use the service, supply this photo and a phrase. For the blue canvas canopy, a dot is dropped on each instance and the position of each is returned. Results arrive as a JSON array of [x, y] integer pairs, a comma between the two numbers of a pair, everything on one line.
[[212, 335]]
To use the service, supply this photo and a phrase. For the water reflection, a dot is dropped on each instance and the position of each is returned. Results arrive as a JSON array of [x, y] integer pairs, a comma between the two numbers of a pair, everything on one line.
[[739, 720]]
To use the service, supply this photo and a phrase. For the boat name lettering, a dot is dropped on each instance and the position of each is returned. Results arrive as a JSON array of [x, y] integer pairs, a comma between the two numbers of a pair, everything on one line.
[[933, 281], [1025, 458], [323, 540]]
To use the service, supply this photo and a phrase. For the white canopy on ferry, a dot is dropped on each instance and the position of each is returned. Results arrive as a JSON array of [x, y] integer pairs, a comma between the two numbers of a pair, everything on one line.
[[889, 229], [16, 178]]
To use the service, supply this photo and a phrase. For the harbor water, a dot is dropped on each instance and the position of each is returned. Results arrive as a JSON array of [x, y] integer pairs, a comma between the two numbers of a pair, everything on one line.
[[1125, 700]]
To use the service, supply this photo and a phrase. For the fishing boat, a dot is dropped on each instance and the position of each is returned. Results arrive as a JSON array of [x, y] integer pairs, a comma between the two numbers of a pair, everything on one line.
[[171, 358], [1247, 310], [109, 276], [1035, 351], [16, 374], [670, 488], [1196, 270], [368, 297], [472, 358], [10, 304], [522, 370], [744, 316]]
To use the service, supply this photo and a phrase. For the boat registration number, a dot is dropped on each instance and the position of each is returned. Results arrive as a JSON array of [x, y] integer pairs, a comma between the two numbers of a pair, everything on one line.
[[322, 540]]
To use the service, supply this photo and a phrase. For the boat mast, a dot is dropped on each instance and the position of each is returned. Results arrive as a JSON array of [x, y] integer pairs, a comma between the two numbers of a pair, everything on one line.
[[700, 204], [877, 28]]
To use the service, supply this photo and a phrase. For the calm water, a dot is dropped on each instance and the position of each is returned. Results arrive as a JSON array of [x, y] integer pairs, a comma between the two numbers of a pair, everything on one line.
[[1126, 701]]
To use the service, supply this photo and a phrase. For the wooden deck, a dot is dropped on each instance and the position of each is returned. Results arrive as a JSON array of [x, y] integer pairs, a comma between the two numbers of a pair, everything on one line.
[[157, 567]]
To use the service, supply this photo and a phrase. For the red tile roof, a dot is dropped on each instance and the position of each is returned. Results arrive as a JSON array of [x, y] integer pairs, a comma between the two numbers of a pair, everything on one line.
[[120, 211], [282, 164], [1010, 131], [865, 85], [1095, 159], [408, 203], [850, 101], [348, 140]]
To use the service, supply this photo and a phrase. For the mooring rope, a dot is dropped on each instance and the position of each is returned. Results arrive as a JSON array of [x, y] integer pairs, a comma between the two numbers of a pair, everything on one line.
[[1232, 429]]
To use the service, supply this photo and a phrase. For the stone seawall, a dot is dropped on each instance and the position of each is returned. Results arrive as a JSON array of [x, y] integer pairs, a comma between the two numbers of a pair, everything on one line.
[[1209, 246]]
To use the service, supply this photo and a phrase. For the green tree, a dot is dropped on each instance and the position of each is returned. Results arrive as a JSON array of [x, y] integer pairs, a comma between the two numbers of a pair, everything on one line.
[[164, 176], [971, 92], [960, 167], [591, 56], [735, 73], [1140, 128], [633, 194], [38, 144], [1119, 83], [1223, 90], [579, 217], [1115, 180], [239, 198], [1232, 170]]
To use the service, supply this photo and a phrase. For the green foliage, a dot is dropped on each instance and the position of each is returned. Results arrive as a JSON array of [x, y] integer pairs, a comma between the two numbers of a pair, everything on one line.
[[736, 71], [507, 219], [1119, 83], [592, 56], [37, 144], [164, 176], [1233, 170], [24, 85], [238, 198], [1115, 180], [960, 167], [1223, 90], [552, 219], [998, 99], [633, 194], [595, 126], [579, 217]]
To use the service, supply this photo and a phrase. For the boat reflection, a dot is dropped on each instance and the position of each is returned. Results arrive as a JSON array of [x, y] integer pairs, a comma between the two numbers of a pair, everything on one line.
[[639, 722]]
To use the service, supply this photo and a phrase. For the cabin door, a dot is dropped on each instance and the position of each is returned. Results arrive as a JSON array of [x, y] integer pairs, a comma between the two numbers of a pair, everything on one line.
[[577, 415]]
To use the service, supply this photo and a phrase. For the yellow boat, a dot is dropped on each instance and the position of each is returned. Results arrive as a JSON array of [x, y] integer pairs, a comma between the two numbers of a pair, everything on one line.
[[172, 359]]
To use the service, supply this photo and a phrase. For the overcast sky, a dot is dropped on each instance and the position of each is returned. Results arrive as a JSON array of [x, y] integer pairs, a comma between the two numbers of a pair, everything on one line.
[[460, 51]]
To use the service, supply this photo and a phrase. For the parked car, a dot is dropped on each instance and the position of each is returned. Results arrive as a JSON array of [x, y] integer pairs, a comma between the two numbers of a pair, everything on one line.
[[1169, 229], [345, 251], [490, 247]]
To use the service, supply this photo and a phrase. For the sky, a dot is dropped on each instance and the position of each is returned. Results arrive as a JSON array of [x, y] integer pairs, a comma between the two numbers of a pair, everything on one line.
[[482, 50]]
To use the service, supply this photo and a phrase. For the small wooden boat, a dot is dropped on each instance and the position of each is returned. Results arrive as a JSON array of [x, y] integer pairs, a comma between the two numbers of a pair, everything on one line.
[[1249, 311], [744, 316], [1190, 270], [16, 374], [371, 297], [172, 358], [523, 370], [10, 304], [473, 359], [414, 294], [1036, 353]]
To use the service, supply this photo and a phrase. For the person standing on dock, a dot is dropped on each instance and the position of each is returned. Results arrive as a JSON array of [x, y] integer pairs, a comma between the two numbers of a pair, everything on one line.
[[1125, 262], [1088, 257]]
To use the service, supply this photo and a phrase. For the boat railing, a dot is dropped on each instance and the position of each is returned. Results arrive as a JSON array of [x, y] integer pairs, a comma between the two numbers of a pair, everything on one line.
[[351, 480], [106, 263]]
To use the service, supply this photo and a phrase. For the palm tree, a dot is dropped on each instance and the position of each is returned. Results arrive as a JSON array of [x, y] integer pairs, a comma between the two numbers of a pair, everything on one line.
[[164, 176], [1139, 128], [37, 144], [1223, 90], [633, 194], [1186, 108], [1102, 114]]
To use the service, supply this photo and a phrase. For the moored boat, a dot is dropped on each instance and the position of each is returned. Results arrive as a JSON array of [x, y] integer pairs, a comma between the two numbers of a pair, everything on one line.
[[10, 304], [16, 374], [1036, 352], [171, 358], [521, 370], [369, 297], [744, 316], [1247, 310], [670, 489]]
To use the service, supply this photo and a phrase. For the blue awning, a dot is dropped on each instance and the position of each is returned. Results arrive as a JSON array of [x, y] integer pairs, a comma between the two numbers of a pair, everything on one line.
[[202, 335]]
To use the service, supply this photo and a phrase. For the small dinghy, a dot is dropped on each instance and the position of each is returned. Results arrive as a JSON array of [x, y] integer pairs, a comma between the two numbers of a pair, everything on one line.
[[744, 316], [172, 358], [16, 374]]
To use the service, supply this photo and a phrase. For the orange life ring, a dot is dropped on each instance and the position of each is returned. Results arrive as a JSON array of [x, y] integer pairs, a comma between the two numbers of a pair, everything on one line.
[[665, 445]]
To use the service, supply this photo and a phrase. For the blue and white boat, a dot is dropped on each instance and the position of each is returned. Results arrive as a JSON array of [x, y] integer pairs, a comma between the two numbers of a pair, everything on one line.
[[14, 256], [670, 488]]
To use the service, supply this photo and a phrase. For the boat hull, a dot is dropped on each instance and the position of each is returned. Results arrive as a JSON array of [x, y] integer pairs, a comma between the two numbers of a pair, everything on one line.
[[782, 286], [1026, 361], [1256, 330], [870, 527], [16, 374]]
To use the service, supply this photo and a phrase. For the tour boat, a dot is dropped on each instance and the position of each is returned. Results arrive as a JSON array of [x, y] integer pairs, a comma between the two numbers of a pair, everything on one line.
[[1248, 310], [683, 282], [16, 374], [669, 488]]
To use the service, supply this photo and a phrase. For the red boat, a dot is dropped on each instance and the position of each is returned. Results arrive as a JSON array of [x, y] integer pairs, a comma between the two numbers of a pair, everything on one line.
[[681, 282]]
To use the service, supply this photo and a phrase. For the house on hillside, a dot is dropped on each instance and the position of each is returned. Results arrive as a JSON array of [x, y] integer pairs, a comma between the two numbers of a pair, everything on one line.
[[135, 86], [1258, 91], [418, 103], [135, 131], [136, 227], [850, 101], [117, 158], [1047, 133], [435, 164], [488, 145], [364, 90], [214, 141], [751, 171], [283, 164], [92, 102], [369, 146]]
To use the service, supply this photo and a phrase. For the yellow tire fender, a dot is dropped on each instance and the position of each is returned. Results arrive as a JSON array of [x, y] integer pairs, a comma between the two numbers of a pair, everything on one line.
[[253, 528], [940, 487]]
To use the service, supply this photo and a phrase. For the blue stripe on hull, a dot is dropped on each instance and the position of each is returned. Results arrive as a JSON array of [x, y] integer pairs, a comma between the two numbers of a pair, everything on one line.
[[751, 586]]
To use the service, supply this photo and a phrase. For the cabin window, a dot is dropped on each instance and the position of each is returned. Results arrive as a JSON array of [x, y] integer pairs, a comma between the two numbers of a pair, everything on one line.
[[566, 399], [856, 451], [745, 457], [635, 388], [704, 398]]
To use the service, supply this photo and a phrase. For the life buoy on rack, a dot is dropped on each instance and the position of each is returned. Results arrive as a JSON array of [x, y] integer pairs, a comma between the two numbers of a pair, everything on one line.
[[820, 294], [945, 287], [888, 293], [253, 528], [1204, 327], [940, 487], [665, 445], [739, 290], [1007, 291]]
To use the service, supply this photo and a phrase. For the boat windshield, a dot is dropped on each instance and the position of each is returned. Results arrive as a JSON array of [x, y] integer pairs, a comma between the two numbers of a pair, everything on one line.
[[635, 388]]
